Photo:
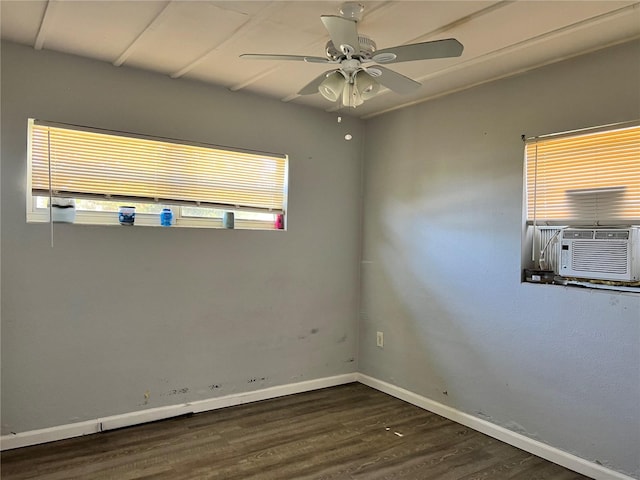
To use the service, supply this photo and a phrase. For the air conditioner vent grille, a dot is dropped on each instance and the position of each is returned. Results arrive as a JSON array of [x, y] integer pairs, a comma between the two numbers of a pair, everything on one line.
[[579, 234], [612, 234], [604, 257]]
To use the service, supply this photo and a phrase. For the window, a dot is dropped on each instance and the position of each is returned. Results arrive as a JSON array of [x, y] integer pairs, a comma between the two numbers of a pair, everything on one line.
[[103, 170], [582, 207], [584, 178]]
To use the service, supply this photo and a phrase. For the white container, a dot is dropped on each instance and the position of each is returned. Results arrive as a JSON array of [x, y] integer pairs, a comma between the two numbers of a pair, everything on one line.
[[63, 213], [63, 210]]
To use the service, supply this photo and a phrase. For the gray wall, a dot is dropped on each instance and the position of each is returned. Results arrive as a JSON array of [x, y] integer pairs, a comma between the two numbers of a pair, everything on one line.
[[112, 312], [441, 265]]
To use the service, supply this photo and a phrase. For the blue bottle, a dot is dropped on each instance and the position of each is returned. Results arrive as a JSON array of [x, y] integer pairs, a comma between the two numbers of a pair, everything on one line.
[[166, 216]]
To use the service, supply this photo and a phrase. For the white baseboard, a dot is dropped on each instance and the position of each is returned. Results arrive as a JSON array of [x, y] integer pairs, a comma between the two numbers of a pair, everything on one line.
[[34, 437], [555, 455], [527, 444]]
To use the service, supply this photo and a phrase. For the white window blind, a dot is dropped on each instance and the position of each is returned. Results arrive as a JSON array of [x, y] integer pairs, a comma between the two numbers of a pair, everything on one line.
[[586, 178], [70, 161]]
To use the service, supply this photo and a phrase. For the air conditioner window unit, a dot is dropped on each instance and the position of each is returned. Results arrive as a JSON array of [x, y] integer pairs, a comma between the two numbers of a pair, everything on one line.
[[600, 254]]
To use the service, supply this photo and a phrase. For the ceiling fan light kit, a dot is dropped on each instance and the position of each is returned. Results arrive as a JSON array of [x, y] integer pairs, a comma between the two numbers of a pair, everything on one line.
[[366, 85], [353, 83], [331, 88], [363, 88]]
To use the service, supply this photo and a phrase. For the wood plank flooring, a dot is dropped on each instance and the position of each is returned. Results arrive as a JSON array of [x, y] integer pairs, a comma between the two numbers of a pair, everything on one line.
[[345, 432]]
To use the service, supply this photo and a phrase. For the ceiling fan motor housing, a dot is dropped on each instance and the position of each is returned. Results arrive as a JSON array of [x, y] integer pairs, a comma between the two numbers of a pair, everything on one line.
[[367, 49]]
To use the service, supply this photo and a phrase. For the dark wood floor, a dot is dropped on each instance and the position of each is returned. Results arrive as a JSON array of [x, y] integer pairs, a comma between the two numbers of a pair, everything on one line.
[[346, 432]]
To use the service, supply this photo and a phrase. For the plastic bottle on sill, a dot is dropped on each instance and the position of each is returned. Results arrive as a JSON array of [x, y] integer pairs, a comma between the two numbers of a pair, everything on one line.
[[166, 216]]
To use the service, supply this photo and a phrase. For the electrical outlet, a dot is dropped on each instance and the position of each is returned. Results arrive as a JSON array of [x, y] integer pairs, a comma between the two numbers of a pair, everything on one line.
[[380, 339]]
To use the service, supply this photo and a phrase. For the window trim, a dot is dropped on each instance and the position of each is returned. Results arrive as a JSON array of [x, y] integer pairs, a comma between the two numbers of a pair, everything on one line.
[[169, 174], [534, 255], [85, 217], [582, 131], [37, 215], [543, 221]]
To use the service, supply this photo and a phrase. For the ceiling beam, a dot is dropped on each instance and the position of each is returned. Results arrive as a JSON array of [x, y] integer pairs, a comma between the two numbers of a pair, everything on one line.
[[45, 24], [629, 9], [255, 78], [488, 80], [588, 22], [150, 27], [462, 20], [288, 98], [257, 19]]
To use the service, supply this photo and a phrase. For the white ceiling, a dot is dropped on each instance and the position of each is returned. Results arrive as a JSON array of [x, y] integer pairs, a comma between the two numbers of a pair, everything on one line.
[[202, 40]]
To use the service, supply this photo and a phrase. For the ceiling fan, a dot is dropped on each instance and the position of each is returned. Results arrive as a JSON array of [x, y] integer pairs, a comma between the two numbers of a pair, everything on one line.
[[352, 82]]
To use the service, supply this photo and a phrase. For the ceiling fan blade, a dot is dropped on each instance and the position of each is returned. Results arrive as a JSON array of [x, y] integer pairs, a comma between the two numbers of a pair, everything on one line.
[[299, 58], [393, 80], [312, 87], [318, 60], [419, 51], [342, 32]]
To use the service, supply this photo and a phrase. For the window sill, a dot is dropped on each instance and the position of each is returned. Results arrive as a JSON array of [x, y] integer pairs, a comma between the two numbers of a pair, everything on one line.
[[143, 220], [588, 285]]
